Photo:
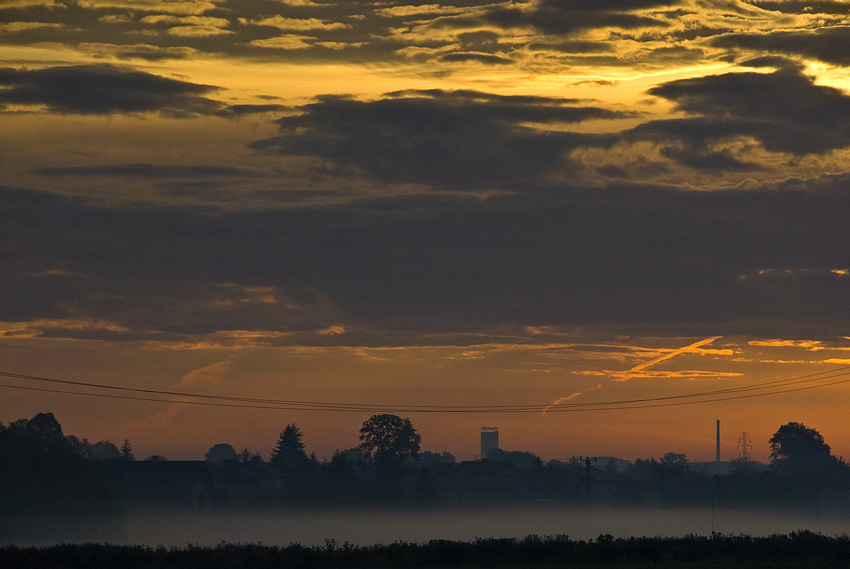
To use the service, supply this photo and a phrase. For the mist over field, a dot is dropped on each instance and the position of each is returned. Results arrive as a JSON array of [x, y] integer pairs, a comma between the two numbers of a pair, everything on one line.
[[363, 527]]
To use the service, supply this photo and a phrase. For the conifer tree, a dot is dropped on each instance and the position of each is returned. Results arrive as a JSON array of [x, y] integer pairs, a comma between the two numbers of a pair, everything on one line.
[[289, 450], [127, 451]]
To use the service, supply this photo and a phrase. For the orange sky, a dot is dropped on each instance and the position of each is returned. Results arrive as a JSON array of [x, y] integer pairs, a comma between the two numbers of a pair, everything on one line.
[[494, 375], [542, 203]]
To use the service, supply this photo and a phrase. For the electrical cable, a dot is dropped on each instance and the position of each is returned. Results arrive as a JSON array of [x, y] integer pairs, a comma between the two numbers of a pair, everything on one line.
[[775, 387]]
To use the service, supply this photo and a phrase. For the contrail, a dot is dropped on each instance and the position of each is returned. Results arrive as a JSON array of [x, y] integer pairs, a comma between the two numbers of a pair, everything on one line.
[[569, 397], [639, 367], [667, 356]]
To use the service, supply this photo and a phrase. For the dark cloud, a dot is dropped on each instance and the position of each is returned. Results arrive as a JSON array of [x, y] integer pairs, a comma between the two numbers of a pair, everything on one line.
[[575, 46], [774, 61], [671, 55], [449, 139], [478, 40], [570, 16], [830, 45], [103, 89], [797, 117], [701, 158], [144, 171], [771, 261], [241, 110], [511, 103]]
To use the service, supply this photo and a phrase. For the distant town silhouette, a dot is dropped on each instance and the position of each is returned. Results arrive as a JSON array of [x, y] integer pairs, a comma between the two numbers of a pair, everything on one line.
[[42, 470]]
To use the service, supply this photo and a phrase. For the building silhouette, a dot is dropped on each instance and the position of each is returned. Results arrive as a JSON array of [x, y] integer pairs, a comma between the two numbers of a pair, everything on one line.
[[489, 440]]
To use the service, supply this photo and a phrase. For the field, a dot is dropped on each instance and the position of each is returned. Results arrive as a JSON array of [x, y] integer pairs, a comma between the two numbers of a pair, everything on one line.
[[798, 549]]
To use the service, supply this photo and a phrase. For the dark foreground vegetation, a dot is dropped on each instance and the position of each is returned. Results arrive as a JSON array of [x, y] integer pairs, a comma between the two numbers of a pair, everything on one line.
[[802, 549]]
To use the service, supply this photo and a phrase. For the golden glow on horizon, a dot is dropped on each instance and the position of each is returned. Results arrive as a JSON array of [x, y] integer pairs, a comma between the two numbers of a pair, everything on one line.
[[428, 375]]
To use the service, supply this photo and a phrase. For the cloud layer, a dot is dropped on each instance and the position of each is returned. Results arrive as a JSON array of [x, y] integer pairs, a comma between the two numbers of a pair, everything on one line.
[[664, 166], [767, 262]]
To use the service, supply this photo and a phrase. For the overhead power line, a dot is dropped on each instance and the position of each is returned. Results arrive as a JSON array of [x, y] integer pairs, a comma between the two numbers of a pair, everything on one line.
[[817, 380]]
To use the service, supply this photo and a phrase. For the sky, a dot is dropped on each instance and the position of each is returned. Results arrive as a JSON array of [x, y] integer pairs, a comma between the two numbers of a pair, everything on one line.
[[520, 214]]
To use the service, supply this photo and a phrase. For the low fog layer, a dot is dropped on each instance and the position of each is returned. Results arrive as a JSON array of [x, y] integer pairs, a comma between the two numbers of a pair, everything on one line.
[[366, 527]]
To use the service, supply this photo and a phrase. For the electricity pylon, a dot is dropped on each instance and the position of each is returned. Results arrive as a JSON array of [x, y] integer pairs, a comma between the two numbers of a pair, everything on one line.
[[588, 477], [744, 446]]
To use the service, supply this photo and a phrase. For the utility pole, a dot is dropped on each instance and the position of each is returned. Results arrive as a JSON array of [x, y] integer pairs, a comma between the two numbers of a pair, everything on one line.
[[588, 478], [717, 447], [745, 446]]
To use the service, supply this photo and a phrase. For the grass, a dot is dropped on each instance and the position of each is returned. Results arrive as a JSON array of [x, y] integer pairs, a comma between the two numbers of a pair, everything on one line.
[[799, 549]]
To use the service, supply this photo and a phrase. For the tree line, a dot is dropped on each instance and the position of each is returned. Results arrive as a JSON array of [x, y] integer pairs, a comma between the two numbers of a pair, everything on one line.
[[41, 468]]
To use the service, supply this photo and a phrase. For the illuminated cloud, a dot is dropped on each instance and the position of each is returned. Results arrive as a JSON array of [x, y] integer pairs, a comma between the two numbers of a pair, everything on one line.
[[388, 31], [285, 41], [14, 27], [183, 7], [811, 345], [57, 328], [623, 376], [197, 31], [461, 57], [145, 52], [31, 4], [289, 24]]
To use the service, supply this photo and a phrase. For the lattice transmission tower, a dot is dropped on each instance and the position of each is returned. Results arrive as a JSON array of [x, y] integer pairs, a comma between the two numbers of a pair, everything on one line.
[[744, 446]]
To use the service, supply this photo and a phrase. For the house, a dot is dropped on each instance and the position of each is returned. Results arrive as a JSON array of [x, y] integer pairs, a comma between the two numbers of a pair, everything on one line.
[[242, 483], [483, 481], [161, 483]]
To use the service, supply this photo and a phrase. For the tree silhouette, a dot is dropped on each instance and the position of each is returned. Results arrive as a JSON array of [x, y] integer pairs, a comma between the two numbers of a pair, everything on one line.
[[101, 450], [386, 441], [42, 470], [340, 479], [800, 451], [104, 450], [248, 456], [220, 453], [388, 437], [45, 428], [424, 488], [677, 460], [127, 451], [289, 450]]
